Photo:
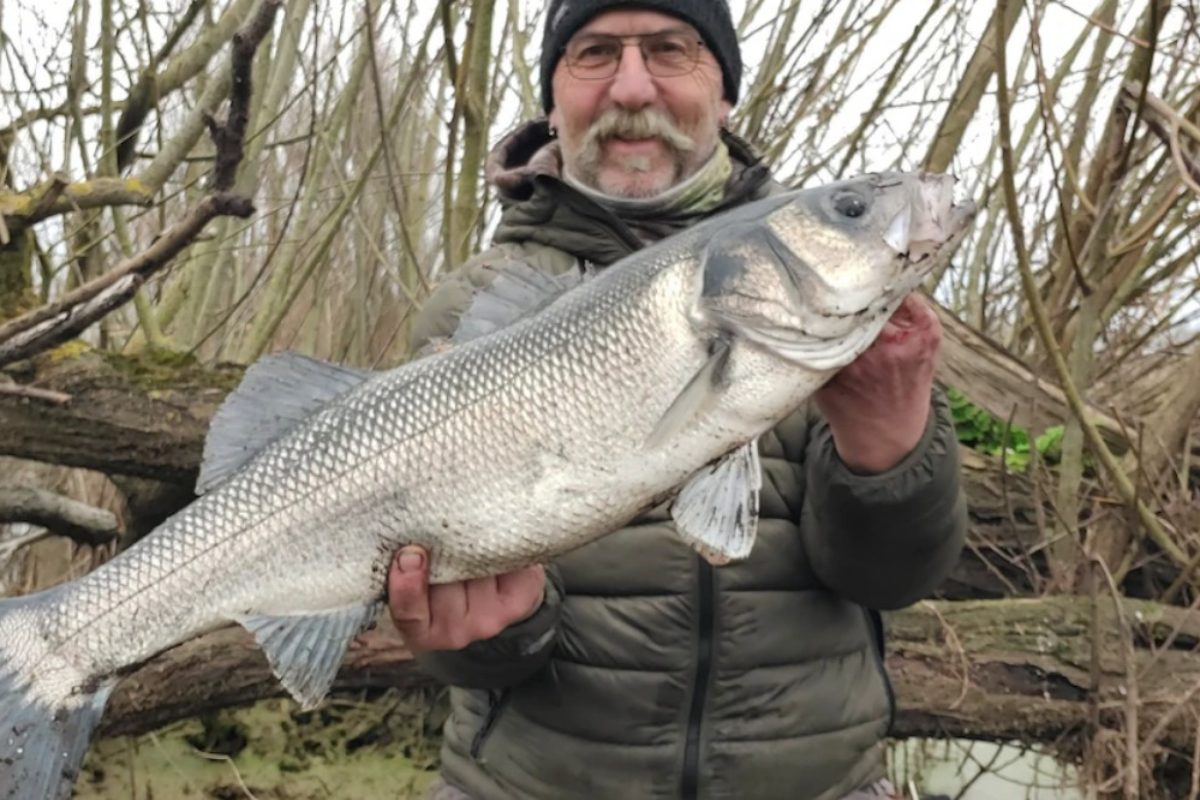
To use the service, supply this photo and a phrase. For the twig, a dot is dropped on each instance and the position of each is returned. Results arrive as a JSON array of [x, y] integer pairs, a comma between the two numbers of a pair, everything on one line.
[[953, 640], [1183, 162], [57, 322], [34, 393], [1099, 23], [1168, 124], [236, 774], [389, 168], [1131, 683], [1195, 790], [229, 136], [10, 547], [58, 514], [1042, 324], [1166, 719]]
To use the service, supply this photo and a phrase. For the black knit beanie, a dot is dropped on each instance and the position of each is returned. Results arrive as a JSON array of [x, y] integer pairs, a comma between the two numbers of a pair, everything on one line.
[[710, 17]]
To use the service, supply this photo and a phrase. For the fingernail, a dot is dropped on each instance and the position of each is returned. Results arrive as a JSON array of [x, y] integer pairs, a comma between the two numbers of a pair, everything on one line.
[[410, 559]]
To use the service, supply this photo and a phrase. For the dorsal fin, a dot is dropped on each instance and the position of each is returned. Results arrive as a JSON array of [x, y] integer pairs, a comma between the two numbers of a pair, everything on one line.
[[517, 291], [276, 394]]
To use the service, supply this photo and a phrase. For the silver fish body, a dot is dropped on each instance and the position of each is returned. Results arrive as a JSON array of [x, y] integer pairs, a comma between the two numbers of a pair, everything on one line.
[[506, 450]]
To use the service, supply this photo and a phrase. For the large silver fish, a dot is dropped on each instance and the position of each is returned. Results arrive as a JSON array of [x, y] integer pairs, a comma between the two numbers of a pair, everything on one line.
[[509, 448]]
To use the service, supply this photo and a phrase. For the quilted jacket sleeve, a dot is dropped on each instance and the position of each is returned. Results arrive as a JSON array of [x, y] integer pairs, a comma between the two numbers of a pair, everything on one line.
[[887, 540]]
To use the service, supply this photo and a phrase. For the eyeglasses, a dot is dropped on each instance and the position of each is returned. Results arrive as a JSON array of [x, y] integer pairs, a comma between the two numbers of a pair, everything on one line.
[[667, 54]]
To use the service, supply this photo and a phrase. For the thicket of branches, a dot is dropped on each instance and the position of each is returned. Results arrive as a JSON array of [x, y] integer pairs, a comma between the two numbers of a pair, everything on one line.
[[1073, 308]]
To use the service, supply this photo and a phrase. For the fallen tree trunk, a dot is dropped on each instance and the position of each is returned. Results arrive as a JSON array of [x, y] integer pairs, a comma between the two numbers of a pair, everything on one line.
[[995, 670], [124, 416]]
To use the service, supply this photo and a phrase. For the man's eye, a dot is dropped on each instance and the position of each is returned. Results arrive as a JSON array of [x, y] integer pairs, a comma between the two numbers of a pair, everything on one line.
[[596, 51], [668, 48]]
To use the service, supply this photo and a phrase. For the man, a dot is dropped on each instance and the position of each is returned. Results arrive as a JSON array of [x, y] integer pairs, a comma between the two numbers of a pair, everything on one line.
[[631, 668]]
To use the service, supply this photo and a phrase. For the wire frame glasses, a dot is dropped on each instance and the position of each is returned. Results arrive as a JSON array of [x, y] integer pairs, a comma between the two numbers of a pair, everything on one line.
[[666, 54]]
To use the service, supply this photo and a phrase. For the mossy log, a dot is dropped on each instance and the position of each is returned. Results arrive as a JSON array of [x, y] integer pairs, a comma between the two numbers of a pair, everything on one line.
[[144, 417], [996, 670]]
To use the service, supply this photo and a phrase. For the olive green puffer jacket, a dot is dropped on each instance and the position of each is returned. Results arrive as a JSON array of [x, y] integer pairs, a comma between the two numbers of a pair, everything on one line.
[[647, 673]]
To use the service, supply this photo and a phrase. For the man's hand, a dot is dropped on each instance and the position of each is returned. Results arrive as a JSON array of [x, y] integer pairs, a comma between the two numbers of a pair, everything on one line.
[[878, 405], [450, 616]]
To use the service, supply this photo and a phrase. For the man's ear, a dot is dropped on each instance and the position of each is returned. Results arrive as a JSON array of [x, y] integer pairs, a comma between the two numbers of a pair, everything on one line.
[[724, 110], [554, 119]]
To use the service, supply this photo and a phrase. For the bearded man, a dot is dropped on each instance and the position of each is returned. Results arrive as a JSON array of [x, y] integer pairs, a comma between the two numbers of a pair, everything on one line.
[[631, 668]]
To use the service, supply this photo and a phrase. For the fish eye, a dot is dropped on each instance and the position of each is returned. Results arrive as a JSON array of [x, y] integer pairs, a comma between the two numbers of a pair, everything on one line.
[[849, 204]]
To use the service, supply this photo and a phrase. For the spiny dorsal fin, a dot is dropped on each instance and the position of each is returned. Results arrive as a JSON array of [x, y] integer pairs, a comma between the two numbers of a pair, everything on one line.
[[517, 291], [305, 651], [717, 511], [276, 394]]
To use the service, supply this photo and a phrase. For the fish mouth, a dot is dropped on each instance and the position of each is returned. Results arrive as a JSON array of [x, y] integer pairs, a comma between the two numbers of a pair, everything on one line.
[[957, 222], [930, 222]]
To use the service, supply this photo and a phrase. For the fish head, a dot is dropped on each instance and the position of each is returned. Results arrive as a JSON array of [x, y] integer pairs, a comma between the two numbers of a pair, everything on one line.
[[816, 277]]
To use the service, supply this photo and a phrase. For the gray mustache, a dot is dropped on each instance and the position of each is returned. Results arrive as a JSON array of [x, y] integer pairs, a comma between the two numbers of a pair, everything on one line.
[[644, 124]]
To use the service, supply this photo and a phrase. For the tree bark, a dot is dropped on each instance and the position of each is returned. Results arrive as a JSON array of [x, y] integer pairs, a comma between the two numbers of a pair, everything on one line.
[[126, 416]]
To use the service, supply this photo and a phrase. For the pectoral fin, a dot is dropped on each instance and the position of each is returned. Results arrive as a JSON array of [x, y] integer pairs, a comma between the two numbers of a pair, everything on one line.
[[305, 651], [695, 399], [717, 511]]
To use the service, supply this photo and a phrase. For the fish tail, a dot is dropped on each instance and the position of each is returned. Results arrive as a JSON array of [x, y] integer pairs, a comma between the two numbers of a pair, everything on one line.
[[48, 708]]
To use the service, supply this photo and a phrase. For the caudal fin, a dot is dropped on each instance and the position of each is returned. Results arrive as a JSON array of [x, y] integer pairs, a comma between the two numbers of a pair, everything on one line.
[[48, 710]]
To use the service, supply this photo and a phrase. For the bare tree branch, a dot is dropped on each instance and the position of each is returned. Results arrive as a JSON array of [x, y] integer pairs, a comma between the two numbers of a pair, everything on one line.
[[58, 514], [54, 323], [1127, 490], [1167, 124]]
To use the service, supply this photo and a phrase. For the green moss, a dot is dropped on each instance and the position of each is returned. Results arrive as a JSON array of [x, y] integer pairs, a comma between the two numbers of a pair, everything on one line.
[[16, 282], [67, 351], [286, 754], [160, 370]]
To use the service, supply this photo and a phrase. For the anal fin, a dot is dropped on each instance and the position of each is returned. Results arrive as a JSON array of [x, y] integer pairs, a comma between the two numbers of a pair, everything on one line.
[[305, 651], [717, 511]]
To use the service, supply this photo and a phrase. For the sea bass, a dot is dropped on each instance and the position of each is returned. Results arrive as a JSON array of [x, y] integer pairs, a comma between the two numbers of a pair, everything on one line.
[[532, 434]]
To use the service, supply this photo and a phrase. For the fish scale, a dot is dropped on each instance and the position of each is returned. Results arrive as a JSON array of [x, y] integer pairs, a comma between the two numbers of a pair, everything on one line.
[[544, 432]]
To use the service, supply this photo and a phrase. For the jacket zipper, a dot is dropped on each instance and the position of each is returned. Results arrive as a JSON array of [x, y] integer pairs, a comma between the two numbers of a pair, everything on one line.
[[878, 647], [496, 702], [704, 657]]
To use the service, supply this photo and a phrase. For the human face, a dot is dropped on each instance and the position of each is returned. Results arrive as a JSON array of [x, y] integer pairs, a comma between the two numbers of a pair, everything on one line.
[[635, 135]]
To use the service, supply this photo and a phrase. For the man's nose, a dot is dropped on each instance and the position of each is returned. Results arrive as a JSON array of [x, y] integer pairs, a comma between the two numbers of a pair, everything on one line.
[[633, 86]]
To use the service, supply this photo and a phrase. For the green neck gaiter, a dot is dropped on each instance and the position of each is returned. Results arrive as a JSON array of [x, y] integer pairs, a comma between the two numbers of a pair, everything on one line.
[[653, 218]]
